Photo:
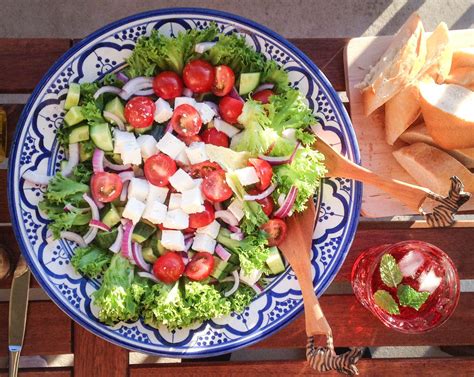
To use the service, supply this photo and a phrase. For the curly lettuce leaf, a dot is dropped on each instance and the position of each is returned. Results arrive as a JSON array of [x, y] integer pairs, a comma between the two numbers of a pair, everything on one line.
[[90, 261], [62, 190], [82, 172], [87, 92]]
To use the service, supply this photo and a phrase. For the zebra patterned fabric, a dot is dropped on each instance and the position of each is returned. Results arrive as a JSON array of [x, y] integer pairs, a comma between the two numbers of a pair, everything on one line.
[[324, 359], [443, 214]]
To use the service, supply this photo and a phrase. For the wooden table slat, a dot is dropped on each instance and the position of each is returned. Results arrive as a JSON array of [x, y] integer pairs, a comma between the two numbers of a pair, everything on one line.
[[44, 372]]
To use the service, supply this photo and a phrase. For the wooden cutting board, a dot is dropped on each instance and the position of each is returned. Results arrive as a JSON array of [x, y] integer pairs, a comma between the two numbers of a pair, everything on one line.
[[376, 154]]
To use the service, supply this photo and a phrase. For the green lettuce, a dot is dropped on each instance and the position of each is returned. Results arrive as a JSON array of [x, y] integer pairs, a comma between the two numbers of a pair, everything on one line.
[[90, 261]]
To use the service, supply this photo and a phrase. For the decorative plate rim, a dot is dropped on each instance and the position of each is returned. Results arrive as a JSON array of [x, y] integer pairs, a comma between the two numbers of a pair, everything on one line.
[[329, 91]]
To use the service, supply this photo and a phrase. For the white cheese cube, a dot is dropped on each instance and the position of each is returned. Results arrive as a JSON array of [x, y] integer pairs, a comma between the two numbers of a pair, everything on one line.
[[225, 127], [192, 201], [182, 158], [123, 138], [170, 145], [176, 219], [205, 111], [196, 153], [181, 181], [132, 156], [247, 176], [172, 240], [178, 101], [175, 201], [138, 189], [212, 230], [251, 278], [202, 242], [156, 193], [163, 111], [133, 210], [155, 212], [197, 182], [236, 207], [147, 144]]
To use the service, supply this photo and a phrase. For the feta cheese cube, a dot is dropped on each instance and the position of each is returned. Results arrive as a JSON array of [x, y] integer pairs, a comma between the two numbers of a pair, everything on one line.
[[181, 181], [225, 127], [133, 210], [175, 201], [122, 139], [182, 157], [156, 193], [202, 242], [155, 212], [205, 111], [178, 101], [192, 201], [163, 111], [196, 153], [170, 145], [147, 144], [172, 240], [212, 230], [251, 278], [236, 207], [247, 176], [197, 182], [138, 189], [132, 156], [176, 219]]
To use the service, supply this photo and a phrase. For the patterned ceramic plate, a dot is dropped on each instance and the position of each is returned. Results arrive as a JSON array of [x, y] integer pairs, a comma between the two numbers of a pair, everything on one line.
[[35, 148]]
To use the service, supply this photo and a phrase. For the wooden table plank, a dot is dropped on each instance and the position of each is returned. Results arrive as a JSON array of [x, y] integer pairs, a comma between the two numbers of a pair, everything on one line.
[[94, 356], [45, 372], [24, 61], [48, 330], [440, 367]]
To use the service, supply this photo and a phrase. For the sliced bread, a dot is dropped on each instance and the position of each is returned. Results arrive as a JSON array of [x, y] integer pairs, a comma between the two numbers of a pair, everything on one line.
[[463, 76], [463, 57], [439, 54]]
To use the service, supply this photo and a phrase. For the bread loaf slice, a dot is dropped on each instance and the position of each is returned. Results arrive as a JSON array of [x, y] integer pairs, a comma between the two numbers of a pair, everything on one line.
[[463, 76], [463, 57]]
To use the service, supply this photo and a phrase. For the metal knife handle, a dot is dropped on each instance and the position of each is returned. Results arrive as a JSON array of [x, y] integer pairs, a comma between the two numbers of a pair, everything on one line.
[[14, 361]]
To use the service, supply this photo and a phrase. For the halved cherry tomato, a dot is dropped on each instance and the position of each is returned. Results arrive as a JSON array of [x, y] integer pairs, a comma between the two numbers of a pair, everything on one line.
[[213, 136], [276, 231], [139, 112], [230, 109], [202, 169], [263, 96], [198, 76], [200, 267], [169, 267], [159, 168], [186, 120], [224, 80], [188, 140], [168, 85], [215, 187], [198, 220], [106, 187], [267, 203], [264, 172]]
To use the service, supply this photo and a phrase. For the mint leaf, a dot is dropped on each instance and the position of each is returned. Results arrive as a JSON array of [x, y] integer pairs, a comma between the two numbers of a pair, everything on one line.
[[389, 271], [407, 296], [385, 301]]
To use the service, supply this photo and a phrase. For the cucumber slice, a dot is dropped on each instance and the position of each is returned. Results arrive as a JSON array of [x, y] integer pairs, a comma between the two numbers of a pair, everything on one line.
[[148, 255], [142, 231], [105, 239], [84, 154], [142, 130], [79, 133], [115, 107], [110, 216], [219, 271], [156, 245], [248, 82], [74, 116], [73, 95], [102, 137], [275, 261]]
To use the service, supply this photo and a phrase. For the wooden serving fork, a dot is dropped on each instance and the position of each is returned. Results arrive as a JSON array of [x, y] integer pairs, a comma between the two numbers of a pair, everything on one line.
[[297, 250]]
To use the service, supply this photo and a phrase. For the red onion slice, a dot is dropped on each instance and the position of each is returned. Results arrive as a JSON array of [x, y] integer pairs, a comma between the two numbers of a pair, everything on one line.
[[227, 216], [115, 119], [115, 167], [145, 92], [234, 229], [234, 288], [264, 86], [122, 77], [73, 159], [169, 128], [35, 178], [117, 245], [287, 205], [218, 206], [123, 194], [107, 89], [126, 176], [70, 208], [274, 161], [238, 236], [74, 237], [135, 85], [92, 232], [188, 243], [148, 275], [262, 195], [138, 257], [127, 239], [99, 225], [187, 92], [222, 252], [98, 160], [202, 47], [235, 94]]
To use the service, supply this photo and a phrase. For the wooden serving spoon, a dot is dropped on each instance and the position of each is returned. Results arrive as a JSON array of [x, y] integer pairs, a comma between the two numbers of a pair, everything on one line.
[[297, 250]]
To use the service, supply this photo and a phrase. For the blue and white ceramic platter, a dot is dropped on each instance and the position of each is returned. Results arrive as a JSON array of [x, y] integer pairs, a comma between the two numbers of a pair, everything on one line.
[[35, 148]]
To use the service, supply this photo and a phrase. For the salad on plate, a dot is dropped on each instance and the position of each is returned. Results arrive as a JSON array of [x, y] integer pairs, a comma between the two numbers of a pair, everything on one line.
[[181, 169]]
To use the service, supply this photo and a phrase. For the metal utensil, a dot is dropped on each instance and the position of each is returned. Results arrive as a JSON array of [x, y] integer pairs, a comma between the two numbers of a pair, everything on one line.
[[17, 314]]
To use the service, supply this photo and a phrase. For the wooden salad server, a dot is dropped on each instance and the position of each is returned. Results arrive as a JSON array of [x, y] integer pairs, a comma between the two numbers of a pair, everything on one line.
[[297, 250], [412, 196]]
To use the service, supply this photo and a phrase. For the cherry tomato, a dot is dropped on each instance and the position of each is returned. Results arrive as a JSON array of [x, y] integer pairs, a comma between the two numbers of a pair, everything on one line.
[[188, 140], [276, 231], [202, 169], [224, 80], [106, 187], [198, 76], [169, 267], [168, 85], [267, 203], [215, 188], [186, 120], [213, 136], [200, 267], [198, 220], [264, 172], [159, 168], [230, 109], [263, 96], [139, 112]]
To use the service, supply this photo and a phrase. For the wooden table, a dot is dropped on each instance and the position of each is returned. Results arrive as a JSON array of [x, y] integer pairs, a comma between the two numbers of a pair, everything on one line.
[[51, 333]]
